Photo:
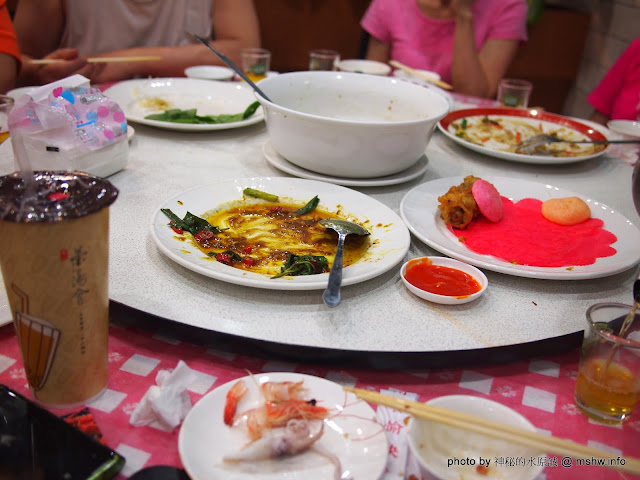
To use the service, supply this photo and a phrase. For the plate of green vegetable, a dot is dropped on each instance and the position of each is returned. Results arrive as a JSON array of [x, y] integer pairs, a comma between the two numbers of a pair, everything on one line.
[[185, 212], [187, 104]]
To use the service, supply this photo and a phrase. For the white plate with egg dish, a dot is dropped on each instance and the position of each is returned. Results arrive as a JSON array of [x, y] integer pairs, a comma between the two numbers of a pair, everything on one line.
[[339, 438], [258, 236], [497, 131], [142, 97], [209, 72], [449, 453], [529, 238]]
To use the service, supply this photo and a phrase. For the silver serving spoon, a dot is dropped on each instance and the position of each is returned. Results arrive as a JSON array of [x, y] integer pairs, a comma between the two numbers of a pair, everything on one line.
[[233, 66], [530, 144], [332, 295]]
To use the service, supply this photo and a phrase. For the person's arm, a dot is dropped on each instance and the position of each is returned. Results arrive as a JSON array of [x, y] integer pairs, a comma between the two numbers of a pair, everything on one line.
[[39, 25], [9, 69], [377, 50], [32, 74], [235, 26], [477, 73], [599, 117]]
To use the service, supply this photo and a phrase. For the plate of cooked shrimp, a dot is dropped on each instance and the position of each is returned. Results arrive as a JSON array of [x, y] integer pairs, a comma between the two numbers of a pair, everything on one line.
[[282, 425]]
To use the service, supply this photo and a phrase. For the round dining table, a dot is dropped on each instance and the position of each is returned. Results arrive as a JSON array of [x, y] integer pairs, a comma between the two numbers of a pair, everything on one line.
[[517, 344]]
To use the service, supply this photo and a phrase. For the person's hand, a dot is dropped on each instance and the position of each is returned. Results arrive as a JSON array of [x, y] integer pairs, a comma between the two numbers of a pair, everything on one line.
[[71, 64], [462, 8]]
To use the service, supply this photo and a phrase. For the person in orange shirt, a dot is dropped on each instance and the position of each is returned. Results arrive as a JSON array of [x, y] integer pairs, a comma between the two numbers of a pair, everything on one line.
[[9, 52]]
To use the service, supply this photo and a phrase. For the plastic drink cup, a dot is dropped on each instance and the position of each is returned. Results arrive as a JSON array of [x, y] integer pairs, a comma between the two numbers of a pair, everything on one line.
[[6, 104], [514, 92], [608, 383], [255, 63], [54, 245], [323, 60]]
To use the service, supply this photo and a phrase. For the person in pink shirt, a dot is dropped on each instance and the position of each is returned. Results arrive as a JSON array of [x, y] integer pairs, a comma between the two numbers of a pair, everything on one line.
[[469, 43], [617, 96]]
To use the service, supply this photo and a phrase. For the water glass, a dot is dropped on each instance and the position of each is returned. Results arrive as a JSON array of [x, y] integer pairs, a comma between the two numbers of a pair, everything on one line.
[[608, 383], [514, 93], [323, 60], [255, 62]]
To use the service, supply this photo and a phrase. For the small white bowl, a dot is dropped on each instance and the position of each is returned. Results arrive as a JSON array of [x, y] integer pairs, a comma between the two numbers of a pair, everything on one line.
[[436, 445], [628, 128], [364, 66], [209, 72], [446, 299]]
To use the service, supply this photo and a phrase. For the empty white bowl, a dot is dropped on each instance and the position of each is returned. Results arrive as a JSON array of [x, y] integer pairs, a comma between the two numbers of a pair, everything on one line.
[[628, 128], [209, 72], [447, 299], [448, 453], [349, 125], [364, 66]]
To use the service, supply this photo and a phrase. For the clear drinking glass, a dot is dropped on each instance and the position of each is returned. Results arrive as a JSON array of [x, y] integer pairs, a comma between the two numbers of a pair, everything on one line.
[[323, 59], [608, 383]]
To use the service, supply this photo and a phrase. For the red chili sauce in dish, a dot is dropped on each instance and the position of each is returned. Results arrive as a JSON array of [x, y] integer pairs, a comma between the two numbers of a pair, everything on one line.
[[441, 280]]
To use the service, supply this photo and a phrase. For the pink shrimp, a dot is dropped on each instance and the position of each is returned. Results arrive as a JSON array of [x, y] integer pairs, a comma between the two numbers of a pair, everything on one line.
[[282, 391], [272, 415], [235, 393]]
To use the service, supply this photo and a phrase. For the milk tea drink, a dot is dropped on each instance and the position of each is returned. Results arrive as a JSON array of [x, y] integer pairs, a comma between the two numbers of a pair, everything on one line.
[[54, 240]]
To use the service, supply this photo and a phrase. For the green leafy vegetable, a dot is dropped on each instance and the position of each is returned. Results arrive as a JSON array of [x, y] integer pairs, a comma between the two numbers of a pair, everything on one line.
[[176, 115], [252, 192], [464, 123], [190, 223], [309, 207], [303, 265]]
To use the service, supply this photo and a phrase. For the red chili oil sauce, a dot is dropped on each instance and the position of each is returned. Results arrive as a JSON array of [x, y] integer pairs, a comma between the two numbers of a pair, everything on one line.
[[441, 280]]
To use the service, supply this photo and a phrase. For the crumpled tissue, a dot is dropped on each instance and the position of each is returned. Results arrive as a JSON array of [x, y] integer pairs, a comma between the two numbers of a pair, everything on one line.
[[168, 401], [69, 125]]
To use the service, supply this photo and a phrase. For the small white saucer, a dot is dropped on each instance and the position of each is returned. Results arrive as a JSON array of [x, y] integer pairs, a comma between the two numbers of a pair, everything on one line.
[[627, 128], [209, 72], [281, 163]]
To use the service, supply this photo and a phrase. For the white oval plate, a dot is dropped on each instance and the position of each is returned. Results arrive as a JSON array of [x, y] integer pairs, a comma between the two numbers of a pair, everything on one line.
[[389, 239], [281, 163], [209, 98], [352, 435], [549, 122], [419, 210]]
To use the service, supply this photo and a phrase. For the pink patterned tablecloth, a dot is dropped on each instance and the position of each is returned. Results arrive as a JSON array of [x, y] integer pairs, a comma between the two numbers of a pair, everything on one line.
[[541, 389]]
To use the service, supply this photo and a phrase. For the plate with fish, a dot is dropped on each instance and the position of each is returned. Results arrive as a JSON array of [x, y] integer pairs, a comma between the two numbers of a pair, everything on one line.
[[498, 131], [282, 425], [277, 243], [139, 98], [609, 241]]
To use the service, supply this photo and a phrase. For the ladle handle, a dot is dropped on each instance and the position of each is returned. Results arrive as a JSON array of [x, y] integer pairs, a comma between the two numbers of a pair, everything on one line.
[[332, 295]]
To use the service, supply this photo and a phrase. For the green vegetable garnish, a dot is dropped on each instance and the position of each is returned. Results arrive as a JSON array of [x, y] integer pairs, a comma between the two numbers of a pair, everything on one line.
[[309, 207], [303, 265], [252, 192], [190, 223], [464, 123], [176, 115]]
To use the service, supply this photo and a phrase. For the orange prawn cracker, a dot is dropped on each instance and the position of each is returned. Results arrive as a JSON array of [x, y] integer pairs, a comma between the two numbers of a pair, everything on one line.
[[525, 237]]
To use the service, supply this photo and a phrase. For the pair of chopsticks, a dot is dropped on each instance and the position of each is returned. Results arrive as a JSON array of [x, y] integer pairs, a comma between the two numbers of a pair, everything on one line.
[[419, 74], [535, 440], [47, 61]]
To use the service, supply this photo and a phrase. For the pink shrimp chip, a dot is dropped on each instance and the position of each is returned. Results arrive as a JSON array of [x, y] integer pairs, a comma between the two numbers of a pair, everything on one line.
[[488, 200]]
